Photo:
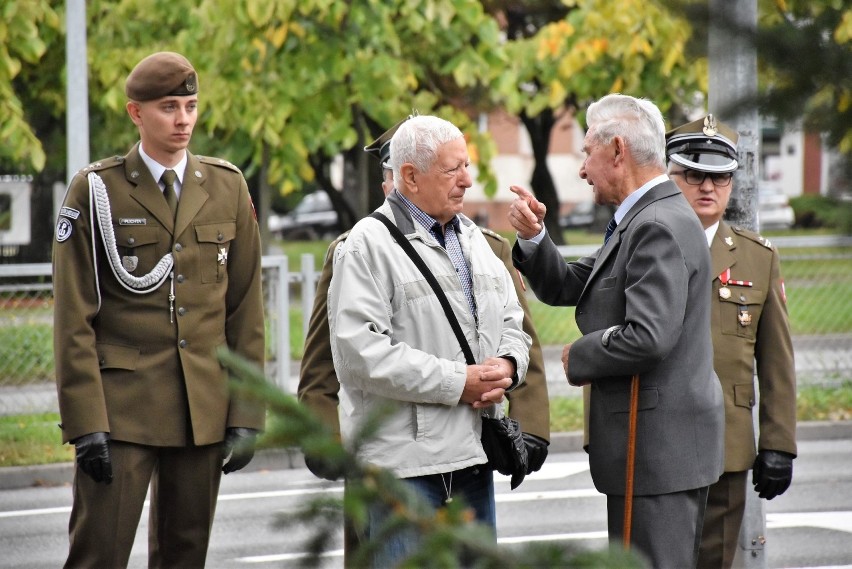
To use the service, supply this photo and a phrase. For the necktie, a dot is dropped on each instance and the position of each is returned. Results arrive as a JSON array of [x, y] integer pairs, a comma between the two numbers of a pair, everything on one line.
[[610, 227], [168, 179]]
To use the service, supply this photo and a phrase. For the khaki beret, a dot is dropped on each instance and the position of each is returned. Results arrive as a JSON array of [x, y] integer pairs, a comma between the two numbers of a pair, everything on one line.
[[162, 74], [380, 148], [706, 145]]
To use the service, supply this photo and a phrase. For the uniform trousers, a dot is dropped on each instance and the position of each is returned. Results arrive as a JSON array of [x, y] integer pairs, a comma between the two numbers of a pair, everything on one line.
[[722, 521], [666, 528], [184, 487]]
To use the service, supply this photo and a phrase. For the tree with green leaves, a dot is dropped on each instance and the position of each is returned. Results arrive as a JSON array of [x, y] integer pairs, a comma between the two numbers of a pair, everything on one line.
[[563, 60], [27, 28]]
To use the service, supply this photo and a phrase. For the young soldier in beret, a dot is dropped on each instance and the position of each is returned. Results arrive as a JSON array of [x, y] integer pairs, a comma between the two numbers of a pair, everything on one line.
[[749, 327], [156, 265], [319, 387]]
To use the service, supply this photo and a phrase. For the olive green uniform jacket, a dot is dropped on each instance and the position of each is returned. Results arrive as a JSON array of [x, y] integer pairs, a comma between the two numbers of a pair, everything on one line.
[[125, 363], [751, 332], [318, 385]]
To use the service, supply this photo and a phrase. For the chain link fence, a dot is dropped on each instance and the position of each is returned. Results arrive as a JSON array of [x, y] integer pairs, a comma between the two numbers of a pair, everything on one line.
[[817, 272], [27, 375]]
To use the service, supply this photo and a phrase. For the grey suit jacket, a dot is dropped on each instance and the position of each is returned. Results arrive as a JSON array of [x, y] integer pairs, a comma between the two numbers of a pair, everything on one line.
[[651, 281]]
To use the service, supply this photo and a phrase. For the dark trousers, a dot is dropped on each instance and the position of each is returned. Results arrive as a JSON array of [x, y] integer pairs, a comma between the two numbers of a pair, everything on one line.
[[184, 486], [475, 485], [722, 521], [666, 528]]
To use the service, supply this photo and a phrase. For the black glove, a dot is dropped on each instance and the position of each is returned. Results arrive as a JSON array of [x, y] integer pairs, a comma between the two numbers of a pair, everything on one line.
[[323, 468], [772, 473], [536, 451], [239, 445], [93, 456]]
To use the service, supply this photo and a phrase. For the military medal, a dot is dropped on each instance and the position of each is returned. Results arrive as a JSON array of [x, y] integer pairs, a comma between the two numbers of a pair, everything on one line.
[[744, 317], [222, 256], [725, 292], [725, 279]]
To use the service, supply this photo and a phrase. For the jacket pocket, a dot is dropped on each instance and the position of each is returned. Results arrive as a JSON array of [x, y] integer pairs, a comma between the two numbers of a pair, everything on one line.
[[740, 312], [139, 247], [214, 241], [117, 356], [744, 395], [619, 401]]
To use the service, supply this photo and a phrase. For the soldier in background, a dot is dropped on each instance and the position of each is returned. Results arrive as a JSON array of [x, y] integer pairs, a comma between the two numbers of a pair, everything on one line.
[[318, 385], [156, 265], [749, 327]]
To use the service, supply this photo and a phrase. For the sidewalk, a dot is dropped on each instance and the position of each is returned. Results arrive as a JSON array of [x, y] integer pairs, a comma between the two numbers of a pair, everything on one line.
[[14, 477]]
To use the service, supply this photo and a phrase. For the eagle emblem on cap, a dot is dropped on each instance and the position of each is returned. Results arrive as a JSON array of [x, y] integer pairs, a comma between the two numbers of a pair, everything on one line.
[[710, 126]]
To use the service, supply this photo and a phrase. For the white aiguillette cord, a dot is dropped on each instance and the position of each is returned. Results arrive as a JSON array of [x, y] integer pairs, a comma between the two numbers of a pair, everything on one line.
[[138, 285]]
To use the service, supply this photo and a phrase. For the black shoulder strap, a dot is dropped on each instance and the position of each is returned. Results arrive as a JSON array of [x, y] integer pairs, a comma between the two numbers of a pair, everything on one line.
[[433, 282]]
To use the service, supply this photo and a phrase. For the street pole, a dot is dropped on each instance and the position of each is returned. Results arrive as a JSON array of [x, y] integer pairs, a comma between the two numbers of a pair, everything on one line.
[[733, 80], [77, 87]]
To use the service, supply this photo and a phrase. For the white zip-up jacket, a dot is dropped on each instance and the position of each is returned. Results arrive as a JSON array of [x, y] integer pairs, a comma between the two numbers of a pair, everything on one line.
[[393, 345]]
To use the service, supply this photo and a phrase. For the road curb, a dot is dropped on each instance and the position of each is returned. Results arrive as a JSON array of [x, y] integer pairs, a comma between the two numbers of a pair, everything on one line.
[[62, 474]]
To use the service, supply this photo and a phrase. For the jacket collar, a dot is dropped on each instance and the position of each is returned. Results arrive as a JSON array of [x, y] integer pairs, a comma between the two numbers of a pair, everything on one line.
[[147, 192], [721, 253]]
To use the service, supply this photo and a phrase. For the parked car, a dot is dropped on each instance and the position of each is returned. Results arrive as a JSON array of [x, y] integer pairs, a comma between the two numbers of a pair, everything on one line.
[[773, 208], [580, 217], [312, 218]]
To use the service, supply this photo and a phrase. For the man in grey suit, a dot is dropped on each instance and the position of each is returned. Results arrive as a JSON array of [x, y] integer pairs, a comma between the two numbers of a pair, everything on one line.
[[642, 308]]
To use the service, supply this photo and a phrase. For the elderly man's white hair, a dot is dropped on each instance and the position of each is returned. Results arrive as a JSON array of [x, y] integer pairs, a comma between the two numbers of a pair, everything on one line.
[[638, 121], [417, 140]]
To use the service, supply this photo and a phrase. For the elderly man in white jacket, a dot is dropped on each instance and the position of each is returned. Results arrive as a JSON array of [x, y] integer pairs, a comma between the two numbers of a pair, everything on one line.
[[393, 345]]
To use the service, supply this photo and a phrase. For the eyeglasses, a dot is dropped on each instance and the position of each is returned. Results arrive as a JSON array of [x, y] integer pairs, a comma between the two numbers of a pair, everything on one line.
[[696, 178]]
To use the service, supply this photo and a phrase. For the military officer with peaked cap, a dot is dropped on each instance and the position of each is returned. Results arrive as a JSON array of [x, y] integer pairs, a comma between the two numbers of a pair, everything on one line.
[[318, 385], [144, 296], [751, 332]]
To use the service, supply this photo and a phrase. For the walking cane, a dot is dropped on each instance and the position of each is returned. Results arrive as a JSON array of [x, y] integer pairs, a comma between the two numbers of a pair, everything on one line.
[[631, 459]]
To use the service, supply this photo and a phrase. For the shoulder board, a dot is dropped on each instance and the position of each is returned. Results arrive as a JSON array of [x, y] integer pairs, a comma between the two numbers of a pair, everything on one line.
[[493, 235], [332, 247], [102, 165], [218, 162], [752, 236], [340, 239]]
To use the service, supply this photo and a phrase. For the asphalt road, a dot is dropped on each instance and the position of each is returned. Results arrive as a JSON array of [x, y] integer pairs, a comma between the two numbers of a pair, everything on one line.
[[809, 526]]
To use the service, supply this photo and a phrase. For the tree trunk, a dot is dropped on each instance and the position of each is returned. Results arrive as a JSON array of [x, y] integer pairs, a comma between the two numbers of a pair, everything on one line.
[[539, 129]]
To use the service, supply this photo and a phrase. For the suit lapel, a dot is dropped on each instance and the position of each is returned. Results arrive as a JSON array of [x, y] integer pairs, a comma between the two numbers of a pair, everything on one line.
[[721, 253], [192, 194], [658, 192], [146, 191]]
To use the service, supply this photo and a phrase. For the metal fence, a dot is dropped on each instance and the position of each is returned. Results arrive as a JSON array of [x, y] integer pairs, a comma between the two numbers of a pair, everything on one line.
[[817, 271], [27, 377]]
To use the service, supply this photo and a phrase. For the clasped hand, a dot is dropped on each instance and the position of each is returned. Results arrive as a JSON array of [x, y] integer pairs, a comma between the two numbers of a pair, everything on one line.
[[486, 383]]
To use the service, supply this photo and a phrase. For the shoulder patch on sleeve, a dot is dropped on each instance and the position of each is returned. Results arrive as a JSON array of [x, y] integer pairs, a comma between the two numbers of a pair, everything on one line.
[[218, 162]]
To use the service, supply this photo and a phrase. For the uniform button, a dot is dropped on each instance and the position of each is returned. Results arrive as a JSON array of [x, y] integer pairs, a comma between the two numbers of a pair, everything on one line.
[[182, 343], [101, 361], [181, 311], [751, 402], [180, 278], [742, 297], [220, 237], [131, 241], [178, 247]]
